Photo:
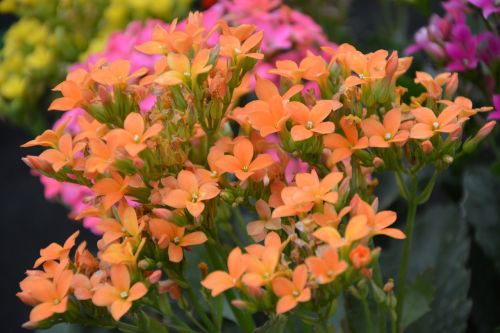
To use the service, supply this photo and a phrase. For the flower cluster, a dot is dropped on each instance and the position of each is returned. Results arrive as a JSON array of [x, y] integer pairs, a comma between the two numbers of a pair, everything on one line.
[[296, 33], [167, 178], [451, 41], [44, 41]]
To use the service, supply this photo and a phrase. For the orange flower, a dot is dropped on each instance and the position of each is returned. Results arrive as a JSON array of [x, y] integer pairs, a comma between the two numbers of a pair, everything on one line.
[[295, 201], [232, 47], [220, 281], [382, 135], [57, 252], [190, 194], [112, 189], [172, 236], [258, 229], [73, 91], [270, 111], [180, 68], [89, 128], [465, 106], [133, 136], [343, 147], [360, 256], [433, 85], [330, 217], [48, 296], [428, 124], [327, 267], [309, 122], [260, 270], [83, 287], [117, 73], [48, 138], [241, 163], [100, 158], [122, 253], [377, 222], [118, 296], [64, 154], [290, 293], [316, 190], [290, 70], [357, 228], [129, 225]]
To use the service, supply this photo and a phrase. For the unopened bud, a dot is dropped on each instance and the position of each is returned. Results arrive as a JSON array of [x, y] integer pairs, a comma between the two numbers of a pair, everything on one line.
[[392, 65], [389, 286], [451, 86], [240, 304], [203, 267], [427, 146], [155, 276], [471, 144], [378, 162], [143, 264], [448, 159]]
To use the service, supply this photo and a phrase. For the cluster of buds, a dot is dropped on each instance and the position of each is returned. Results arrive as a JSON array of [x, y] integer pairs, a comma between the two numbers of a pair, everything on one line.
[[174, 175]]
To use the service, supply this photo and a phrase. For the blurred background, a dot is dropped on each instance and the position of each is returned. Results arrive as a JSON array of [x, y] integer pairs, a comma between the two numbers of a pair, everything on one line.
[[458, 233]]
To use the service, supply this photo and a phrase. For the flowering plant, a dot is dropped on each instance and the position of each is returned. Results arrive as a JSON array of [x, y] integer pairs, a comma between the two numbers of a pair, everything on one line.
[[288, 35], [279, 192], [466, 40]]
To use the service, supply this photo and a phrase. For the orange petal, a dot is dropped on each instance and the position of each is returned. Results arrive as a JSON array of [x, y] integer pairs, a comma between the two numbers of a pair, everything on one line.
[[120, 277], [218, 282], [195, 208], [137, 291], [282, 286], [177, 198], [421, 131], [300, 133], [175, 253], [285, 304], [194, 238], [119, 308]]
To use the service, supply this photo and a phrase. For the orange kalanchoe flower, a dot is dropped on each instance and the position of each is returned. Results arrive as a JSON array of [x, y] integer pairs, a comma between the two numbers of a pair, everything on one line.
[[190, 194], [330, 217], [232, 47], [258, 229], [241, 164], [72, 90], [360, 256], [133, 136], [111, 189], [49, 296], [180, 68], [311, 121], [316, 190], [57, 252], [64, 154], [49, 138], [118, 296], [382, 135], [129, 225], [261, 269], [117, 73], [344, 146], [220, 281], [377, 222], [101, 156], [433, 85], [290, 70], [295, 201], [327, 267], [357, 228], [270, 111], [290, 293], [174, 237], [428, 124]]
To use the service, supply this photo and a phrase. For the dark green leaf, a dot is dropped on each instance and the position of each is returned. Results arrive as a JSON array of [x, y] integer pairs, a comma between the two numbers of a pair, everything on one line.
[[273, 325]]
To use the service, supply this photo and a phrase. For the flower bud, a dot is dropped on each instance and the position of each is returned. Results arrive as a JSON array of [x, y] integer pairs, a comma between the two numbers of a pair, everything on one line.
[[360, 256], [448, 159], [155, 276], [203, 267], [451, 86], [427, 146], [389, 286], [240, 304], [392, 65], [378, 162]]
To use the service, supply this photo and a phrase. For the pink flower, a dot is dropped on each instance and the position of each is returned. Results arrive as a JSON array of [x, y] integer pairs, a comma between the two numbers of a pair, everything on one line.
[[495, 114]]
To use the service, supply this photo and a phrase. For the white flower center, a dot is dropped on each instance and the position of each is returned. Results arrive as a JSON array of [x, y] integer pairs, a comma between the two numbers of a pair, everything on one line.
[[435, 125], [194, 197], [124, 294], [187, 74], [136, 138], [309, 124], [295, 293], [237, 50], [388, 136]]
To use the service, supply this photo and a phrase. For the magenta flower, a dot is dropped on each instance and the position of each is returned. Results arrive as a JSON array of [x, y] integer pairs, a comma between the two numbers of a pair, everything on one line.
[[462, 49], [488, 7], [495, 114]]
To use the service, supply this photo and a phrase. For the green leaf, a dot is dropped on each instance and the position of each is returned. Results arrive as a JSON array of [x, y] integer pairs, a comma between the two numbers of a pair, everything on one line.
[[440, 244], [273, 325], [482, 210], [419, 296]]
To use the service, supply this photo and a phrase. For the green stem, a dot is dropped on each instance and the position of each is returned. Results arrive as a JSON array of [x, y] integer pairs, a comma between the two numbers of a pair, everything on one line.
[[403, 267], [368, 315], [199, 309]]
